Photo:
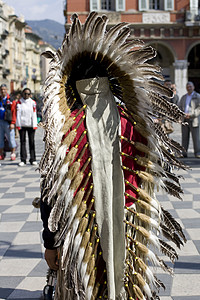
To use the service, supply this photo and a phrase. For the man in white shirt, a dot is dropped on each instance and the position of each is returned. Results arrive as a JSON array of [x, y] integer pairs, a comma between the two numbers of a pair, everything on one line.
[[190, 104]]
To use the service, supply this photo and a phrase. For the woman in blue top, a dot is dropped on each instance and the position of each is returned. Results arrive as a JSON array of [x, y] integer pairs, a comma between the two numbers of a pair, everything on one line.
[[7, 127]]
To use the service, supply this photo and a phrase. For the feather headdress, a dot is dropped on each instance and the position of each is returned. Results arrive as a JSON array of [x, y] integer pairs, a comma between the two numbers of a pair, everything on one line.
[[103, 161]]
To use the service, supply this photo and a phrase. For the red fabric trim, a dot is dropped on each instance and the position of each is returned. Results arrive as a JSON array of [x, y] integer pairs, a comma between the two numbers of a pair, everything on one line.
[[14, 112], [127, 130]]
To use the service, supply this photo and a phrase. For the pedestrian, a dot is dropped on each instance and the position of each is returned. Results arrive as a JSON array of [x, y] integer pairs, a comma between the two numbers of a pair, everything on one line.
[[190, 104], [168, 83], [15, 97], [167, 125], [26, 122], [101, 164], [175, 98], [7, 122]]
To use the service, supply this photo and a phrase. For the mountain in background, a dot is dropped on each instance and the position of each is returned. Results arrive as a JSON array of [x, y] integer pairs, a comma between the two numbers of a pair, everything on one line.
[[50, 31]]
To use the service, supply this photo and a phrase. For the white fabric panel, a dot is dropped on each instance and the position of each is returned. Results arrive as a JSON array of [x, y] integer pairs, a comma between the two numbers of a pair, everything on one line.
[[103, 125]]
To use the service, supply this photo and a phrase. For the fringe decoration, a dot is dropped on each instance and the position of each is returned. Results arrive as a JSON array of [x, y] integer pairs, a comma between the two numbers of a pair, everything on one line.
[[144, 218], [148, 235], [144, 250], [144, 196]]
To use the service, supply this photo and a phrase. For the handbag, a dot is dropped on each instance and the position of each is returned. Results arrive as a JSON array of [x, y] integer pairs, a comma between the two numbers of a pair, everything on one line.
[[8, 113]]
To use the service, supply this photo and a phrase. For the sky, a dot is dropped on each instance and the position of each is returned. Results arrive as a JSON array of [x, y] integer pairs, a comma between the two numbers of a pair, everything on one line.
[[38, 9]]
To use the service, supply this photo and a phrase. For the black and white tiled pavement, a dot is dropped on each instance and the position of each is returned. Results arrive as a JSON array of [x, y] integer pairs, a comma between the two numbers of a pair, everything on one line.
[[22, 266]]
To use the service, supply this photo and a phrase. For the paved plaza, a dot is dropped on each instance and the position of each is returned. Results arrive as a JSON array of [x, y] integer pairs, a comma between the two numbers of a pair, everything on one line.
[[22, 265]]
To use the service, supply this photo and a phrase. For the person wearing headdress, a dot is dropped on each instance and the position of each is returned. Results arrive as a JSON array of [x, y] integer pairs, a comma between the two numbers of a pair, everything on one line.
[[103, 162]]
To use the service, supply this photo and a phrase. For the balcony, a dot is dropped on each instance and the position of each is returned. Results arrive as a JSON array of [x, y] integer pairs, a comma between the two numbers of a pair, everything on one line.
[[17, 63], [6, 72], [4, 34], [192, 18], [5, 53]]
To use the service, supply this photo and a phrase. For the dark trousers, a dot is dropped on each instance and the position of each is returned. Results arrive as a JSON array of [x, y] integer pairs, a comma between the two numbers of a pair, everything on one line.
[[31, 139], [186, 130]]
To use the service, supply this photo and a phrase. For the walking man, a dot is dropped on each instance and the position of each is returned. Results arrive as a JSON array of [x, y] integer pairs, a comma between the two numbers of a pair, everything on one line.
[[190, 104]]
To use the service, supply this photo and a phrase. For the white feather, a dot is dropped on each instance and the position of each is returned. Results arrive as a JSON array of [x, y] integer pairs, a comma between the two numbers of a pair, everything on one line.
[[70, 239], [77, 243], [65, 249], [71, 214], [66, 186], [80, 258], [74, 228], [147, 290], [154, 240], [151, 256], [149, 275], [154, 223], [60, 154], [68, 198], [89, 291], [52, 224], [85, 280], [64, 170], [83, 270]]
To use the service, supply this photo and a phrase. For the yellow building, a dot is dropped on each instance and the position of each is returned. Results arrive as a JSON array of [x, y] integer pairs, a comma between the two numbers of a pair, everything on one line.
[[33, 73], [4, 45], [17, 52]]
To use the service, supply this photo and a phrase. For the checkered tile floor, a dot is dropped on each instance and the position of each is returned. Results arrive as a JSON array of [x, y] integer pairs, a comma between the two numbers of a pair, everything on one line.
[[22, 266]]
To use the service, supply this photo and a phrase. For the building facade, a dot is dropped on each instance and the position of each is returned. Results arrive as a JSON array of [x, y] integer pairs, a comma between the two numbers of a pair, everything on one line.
[[33, 74], [172, 27], [4, 45], [19, 52]]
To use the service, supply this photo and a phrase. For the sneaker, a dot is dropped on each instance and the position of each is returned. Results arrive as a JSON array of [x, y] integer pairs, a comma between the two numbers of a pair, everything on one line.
[[13, 156], [34, 163], [21, 164], [1, 157]]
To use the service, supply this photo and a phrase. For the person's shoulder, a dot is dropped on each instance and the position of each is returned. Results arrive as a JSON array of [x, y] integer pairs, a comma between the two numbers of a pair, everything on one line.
[[19, 101], [196, 95], [33, 101], [184, 96]]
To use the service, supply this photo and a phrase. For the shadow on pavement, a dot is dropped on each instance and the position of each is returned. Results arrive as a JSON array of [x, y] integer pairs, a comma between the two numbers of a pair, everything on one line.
[[187, 265], [192, 162], [20, 294]]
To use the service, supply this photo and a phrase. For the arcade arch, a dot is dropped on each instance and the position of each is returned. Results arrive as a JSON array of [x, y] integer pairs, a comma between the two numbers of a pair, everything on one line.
[[193, 58], [165, 59]]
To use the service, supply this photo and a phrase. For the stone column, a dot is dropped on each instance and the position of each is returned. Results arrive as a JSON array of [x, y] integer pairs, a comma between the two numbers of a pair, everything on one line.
[[181, 76]]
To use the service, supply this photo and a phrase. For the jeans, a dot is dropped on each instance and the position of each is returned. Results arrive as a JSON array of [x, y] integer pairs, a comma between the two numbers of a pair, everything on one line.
[[10, 134], [31, 139]]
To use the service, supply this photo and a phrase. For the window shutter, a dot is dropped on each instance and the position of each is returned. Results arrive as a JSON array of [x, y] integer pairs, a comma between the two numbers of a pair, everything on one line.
[[143, 4], [120, 5], [94, 5], [169, 5]]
